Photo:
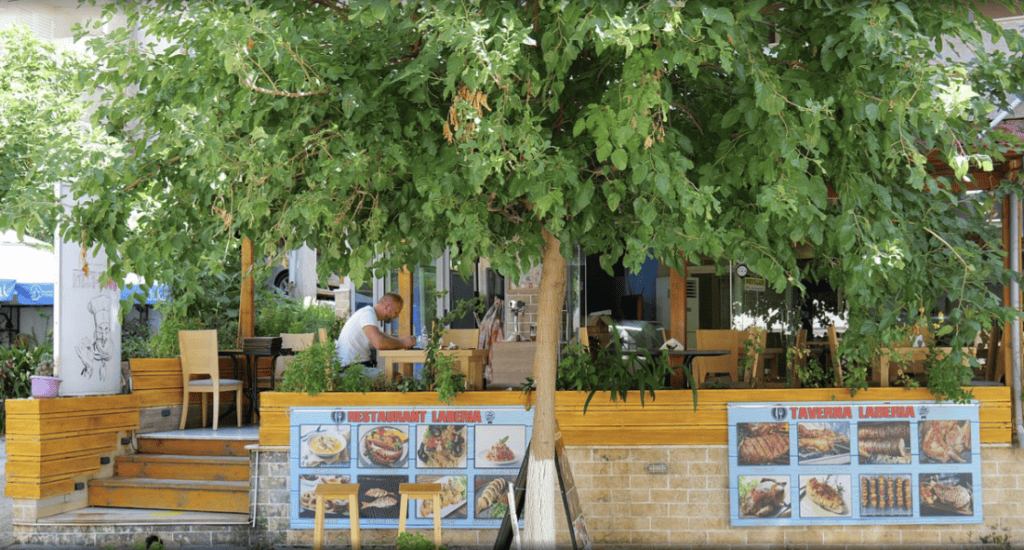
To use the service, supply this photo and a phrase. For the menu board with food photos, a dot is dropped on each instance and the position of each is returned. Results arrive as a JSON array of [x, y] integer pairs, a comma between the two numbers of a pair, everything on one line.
[[854, 463], [474, 453]]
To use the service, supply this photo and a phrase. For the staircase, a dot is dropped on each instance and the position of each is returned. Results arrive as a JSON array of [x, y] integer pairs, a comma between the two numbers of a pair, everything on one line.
[[173, 472]]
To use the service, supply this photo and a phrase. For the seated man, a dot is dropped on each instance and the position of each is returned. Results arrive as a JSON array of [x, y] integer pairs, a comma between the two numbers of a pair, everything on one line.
[[361, 333]]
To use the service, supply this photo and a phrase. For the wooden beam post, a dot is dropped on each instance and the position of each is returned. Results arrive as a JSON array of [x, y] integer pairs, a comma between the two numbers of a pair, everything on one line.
[[677, 303], [247, 306], [405, 291]]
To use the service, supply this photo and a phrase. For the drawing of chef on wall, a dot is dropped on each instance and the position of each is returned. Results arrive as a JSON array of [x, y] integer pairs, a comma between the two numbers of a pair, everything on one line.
[[96, 354]]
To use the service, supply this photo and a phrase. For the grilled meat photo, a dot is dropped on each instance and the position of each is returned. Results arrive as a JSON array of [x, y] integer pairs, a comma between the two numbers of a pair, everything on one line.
[[764, 499], [826, 496], [764, 449]]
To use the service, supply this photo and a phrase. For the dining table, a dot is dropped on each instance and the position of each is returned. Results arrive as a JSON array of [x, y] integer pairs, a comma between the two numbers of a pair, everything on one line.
[[246, 366], [470, 363]]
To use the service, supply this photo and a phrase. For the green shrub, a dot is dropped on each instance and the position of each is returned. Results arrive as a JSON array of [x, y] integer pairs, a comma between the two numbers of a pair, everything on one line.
[[277, 314], [17, 364], [316, 369], [415, 541]]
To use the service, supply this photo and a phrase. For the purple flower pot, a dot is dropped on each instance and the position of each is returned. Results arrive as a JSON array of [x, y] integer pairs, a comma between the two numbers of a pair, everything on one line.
[[45, 387]]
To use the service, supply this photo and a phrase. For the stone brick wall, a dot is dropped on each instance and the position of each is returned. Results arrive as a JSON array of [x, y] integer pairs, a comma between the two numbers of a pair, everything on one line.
[[688, 507]]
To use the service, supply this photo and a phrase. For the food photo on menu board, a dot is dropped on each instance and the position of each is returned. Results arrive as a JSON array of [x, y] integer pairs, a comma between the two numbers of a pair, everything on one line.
[[946, 494], [823, 442], [825, 496], [883, 442], [886, 495], [379, 496], [763, 443], [765, 497], [945, 441], [333, 508], [383, 446], [324, 446], [491, 494], [454, 497], [500, 446], [441, 446]]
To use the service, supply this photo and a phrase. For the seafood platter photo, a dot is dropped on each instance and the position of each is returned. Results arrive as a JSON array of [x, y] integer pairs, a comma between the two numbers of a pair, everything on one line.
[[854, 463]]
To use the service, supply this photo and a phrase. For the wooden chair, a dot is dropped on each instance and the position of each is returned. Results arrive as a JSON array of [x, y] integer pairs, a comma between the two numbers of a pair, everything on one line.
[[199, 358], [464, 338], [757, 338], [717, 339], [833, 348], [293, 341]]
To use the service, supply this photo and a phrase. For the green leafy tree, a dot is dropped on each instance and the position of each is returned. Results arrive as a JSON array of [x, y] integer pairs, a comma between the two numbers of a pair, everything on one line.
[[44, 135], [379, 132]]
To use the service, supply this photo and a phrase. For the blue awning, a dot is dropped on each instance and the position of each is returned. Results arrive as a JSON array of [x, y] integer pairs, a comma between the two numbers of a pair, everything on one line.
[[6, 290], [34, 294], [41, 294]]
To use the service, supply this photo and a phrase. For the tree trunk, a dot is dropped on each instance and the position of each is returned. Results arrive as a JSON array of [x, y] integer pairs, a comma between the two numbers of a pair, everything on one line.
[[541, 480]]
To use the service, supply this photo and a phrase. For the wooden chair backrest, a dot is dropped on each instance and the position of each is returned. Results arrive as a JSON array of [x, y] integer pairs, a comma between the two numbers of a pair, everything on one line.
[[297, 341], [322, 333], [198, 354], [717, 339], [464, 338], [757, 337]]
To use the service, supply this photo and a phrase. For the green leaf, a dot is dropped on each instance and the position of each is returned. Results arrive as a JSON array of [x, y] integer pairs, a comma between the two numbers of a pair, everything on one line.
[[620, 158]]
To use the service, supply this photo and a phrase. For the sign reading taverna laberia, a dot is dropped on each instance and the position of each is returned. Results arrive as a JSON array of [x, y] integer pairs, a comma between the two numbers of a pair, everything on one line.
[[854, 463]]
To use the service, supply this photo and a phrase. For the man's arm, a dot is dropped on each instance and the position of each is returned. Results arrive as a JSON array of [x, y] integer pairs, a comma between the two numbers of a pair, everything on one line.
[[379, 340]]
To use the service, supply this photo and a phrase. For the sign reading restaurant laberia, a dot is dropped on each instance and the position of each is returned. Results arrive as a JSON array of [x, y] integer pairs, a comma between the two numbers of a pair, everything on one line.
[[473, 452], [854, 463]]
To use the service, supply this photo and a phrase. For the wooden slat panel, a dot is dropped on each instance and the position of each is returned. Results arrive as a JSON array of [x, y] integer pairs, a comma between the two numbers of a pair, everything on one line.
[[53, 469], [152, 364], [38, 407], [195, 447], [154, 398], [149, 382], [231, 497], [110, 421], [33, 490], [51, 441], [669, 419], [95, 444], [208, 468]]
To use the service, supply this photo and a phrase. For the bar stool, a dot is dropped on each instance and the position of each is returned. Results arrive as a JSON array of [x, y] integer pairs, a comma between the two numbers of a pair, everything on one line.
[[335, 490], [421, 491]]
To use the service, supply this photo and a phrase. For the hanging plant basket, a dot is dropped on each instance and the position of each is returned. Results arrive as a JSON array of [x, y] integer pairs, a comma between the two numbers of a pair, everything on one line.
[[45, 387]]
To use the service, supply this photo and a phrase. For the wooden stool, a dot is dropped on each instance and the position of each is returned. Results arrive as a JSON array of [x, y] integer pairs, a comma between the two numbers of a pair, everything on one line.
[[334, 490], [421, 491]]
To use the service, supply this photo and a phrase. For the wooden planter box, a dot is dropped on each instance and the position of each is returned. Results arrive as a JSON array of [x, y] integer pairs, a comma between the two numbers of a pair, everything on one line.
[[668, 419]]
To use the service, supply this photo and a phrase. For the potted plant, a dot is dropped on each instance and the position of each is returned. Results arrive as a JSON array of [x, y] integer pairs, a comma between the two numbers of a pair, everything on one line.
[[44, 384]]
